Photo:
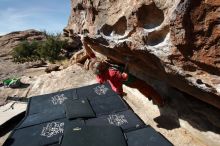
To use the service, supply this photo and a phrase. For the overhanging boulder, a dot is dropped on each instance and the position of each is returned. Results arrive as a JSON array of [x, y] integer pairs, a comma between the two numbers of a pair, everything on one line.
[[173, 41]]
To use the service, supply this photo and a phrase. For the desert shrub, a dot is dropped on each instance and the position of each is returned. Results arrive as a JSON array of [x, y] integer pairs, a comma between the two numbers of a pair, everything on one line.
[[50, 49], [26, 51]]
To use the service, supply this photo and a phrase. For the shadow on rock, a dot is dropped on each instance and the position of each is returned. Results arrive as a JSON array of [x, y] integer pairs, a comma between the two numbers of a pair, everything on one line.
[[24, 85], [11, 124], [183, 107], [16, 98], [167, 122]]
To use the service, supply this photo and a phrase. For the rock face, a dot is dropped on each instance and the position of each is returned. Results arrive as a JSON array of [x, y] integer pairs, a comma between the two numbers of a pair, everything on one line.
[[52, 67], [174, 41], [7, 43]]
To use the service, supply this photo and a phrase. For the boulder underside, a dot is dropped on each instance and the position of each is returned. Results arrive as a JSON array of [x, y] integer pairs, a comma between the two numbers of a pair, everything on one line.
[[174, 41]]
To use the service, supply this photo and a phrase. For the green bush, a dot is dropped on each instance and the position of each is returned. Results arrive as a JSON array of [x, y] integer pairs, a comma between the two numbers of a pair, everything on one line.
[[50, 49], [26, 51]]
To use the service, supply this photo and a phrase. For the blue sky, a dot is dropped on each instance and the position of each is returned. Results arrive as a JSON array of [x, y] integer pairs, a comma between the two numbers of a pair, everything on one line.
[[49, 15]]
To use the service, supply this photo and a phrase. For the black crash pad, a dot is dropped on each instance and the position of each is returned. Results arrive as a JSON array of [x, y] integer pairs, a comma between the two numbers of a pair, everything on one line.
[[95, 90], [44, 123], [146, 136], [94, 136], [40, 135], [107, 105], [78, 109], [42, 103], [39, 118], [43, 134], [57, 144], [127, 120]]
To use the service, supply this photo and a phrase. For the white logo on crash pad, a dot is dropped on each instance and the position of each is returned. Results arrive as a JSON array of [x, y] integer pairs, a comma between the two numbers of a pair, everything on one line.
[[101, 90], [117, 120], [52, 129], [58, 99]]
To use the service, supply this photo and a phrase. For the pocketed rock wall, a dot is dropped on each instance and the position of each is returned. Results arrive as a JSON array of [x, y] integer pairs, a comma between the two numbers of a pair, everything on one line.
[[174, 41]]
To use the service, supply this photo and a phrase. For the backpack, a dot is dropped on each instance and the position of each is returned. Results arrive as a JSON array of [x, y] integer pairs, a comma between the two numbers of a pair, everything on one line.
[[12, 83]]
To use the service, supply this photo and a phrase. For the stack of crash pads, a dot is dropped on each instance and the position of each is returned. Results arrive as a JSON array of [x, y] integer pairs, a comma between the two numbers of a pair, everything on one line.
[[88, 116]]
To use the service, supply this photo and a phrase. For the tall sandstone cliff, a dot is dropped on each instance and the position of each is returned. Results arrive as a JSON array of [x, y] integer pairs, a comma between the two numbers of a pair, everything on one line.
[[174, 41]]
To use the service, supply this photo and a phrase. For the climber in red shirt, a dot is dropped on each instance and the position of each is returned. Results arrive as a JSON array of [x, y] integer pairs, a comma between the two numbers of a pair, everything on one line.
[[116, 79], [113, 76]]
